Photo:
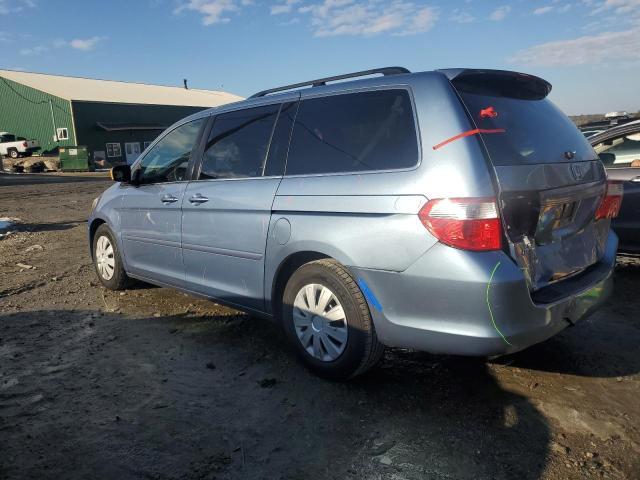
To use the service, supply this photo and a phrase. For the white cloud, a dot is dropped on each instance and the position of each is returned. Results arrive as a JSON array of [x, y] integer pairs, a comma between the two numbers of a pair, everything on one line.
[[618, 7], [15, 6], [500, 13], [329, 17], [32, 51], [423, 21], [288, 23], [283, 7], [461, 16], [590, 49], [369, 17], [84, 44], [542, 10], [212, 11]]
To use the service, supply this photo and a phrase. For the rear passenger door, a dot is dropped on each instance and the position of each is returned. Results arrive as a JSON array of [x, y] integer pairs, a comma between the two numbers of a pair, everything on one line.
[[227, 208]]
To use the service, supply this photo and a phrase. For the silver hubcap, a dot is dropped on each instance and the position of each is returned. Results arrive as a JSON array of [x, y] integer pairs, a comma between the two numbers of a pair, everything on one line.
[[320, 322], [105, 259]]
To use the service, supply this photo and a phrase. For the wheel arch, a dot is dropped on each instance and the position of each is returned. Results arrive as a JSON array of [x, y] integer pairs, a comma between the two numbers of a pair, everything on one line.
[[93, 227], [284, 271]]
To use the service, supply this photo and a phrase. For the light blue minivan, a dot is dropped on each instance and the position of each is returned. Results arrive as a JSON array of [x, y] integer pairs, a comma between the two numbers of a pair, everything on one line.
[[453, 211]]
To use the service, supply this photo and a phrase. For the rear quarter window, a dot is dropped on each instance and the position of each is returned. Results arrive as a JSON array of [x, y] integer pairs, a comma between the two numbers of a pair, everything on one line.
[[355, 132]]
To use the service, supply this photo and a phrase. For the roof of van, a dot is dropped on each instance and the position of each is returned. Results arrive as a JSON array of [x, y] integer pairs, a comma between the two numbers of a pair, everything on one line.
[[110, 91]]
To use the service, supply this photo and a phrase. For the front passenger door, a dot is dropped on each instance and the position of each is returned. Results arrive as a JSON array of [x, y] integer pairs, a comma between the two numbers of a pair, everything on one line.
[[151, 219], [227, 208]]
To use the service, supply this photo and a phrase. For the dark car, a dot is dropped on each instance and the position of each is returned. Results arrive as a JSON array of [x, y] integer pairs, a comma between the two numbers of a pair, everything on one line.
[[619, 150]]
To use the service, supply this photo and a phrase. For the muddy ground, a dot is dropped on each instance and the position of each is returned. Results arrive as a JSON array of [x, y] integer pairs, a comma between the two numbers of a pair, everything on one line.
[[153, 384]]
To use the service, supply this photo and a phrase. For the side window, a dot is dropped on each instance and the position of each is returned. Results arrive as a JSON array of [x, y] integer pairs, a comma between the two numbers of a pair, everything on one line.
[[622, 151], [238, 143], [354, 132], [168, 160]]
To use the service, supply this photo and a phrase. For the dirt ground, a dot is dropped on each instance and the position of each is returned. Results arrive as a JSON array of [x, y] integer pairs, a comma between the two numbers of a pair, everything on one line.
[[150, 383]]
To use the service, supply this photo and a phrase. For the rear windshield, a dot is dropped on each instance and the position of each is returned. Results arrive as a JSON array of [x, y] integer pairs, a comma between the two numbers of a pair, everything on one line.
[[527, 131]]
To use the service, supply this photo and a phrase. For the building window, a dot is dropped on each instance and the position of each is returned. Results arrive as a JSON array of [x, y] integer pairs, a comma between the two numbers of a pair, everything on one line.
[[113, 150], [145, 145], [62, 134]]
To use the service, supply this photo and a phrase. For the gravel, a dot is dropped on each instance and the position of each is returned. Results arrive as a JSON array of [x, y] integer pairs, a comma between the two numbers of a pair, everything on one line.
[[94, 384]]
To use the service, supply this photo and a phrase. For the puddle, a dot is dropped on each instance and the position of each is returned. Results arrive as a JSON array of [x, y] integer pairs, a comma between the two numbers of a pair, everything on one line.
[[5, 225]]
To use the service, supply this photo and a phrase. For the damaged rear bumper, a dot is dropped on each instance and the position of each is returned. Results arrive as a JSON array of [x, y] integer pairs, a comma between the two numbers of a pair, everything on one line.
[[476, 303]]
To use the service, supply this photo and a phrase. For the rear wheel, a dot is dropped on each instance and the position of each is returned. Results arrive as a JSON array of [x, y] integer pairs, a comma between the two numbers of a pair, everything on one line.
[[327, 319], [107, 260]]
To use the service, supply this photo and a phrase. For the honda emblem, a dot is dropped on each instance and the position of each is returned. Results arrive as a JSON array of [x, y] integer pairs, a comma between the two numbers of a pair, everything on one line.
[[576, 170]]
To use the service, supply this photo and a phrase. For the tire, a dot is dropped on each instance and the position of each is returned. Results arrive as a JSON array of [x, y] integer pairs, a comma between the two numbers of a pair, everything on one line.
[[108, 262], [346, 356], [13, 153]]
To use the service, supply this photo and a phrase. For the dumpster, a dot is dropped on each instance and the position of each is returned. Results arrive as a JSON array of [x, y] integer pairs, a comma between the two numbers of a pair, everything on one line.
[[74, 159]]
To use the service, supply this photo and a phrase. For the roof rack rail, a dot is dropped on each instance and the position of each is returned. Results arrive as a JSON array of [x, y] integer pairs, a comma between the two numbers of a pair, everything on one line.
[[323, 81]]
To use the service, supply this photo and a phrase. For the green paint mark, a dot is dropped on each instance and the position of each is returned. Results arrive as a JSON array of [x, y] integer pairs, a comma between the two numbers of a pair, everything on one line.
[[489, 304]]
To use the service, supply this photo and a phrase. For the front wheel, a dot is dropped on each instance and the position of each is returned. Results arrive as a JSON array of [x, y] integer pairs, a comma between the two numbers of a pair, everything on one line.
[[327, 319], [107, 260], [14, 154]]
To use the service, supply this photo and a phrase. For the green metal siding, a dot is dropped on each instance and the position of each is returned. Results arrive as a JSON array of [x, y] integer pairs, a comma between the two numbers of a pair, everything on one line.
[[26, 112], [88, 114]]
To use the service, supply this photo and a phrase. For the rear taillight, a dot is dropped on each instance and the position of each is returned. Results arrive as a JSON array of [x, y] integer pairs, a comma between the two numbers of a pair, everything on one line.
[[25, 144], [611, 202], [466, 223]]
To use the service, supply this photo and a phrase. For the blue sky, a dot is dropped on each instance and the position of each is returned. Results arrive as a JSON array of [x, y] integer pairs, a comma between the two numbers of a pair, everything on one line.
[[588, 49]]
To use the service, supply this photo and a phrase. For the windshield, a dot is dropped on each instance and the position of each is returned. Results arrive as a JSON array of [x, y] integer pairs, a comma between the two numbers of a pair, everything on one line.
[[622, 151], [591, 133], [534, 131]]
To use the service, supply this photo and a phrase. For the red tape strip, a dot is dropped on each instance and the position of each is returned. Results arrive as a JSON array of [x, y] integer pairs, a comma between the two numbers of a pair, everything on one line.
[[468, 134]]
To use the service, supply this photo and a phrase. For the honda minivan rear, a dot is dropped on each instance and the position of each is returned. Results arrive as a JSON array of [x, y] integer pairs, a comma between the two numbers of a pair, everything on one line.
[[521, 254], [455, 211]]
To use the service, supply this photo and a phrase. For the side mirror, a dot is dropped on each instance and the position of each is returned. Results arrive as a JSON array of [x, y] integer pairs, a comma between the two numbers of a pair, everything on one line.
[[607, 158], [121, 173]]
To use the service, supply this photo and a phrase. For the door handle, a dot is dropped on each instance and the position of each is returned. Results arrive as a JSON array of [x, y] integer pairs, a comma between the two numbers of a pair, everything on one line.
[[198, 199], [635, 179], [169, 199]]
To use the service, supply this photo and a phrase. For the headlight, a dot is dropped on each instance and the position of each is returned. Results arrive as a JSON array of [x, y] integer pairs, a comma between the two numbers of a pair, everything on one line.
[[95, 202]]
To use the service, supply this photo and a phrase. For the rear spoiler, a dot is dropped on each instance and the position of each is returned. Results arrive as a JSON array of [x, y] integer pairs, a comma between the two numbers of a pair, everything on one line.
[[502, 83]]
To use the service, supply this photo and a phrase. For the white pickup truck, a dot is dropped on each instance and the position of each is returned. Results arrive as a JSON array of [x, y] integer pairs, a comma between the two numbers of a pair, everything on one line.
[[15, 147]]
